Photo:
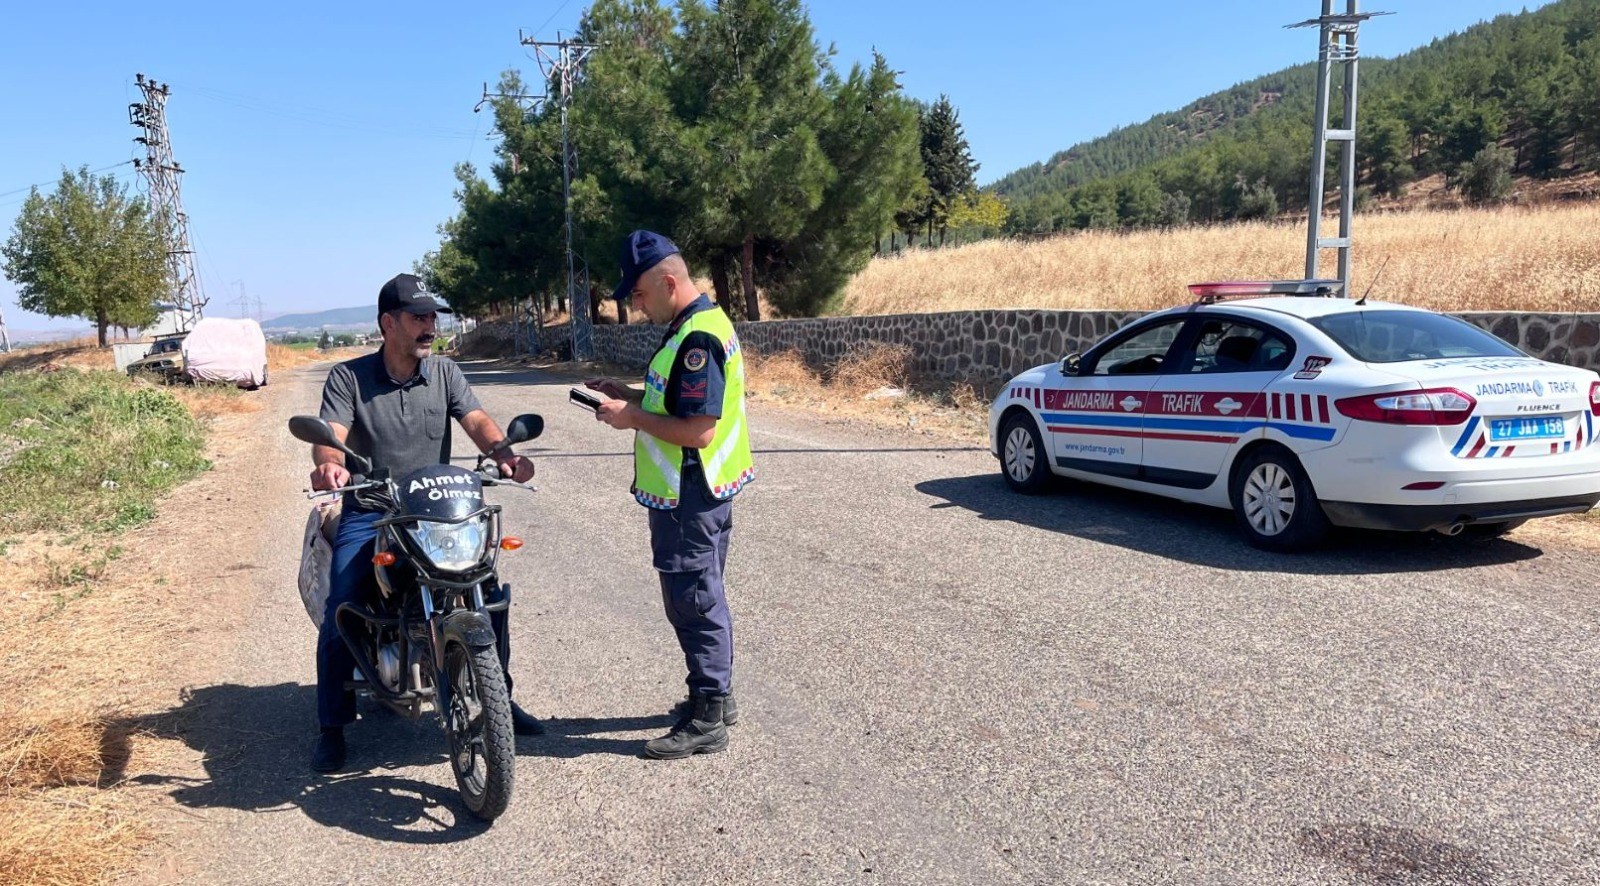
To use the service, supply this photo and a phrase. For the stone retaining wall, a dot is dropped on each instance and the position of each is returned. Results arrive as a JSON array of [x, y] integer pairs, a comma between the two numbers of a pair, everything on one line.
[[988, 347]]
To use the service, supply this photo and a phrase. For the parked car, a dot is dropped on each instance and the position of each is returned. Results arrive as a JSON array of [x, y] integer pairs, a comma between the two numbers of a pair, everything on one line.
[[1300, 410], [164, 359]]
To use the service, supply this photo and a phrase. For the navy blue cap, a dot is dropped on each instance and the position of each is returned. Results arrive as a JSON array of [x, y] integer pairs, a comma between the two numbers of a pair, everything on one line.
[[642, 251]]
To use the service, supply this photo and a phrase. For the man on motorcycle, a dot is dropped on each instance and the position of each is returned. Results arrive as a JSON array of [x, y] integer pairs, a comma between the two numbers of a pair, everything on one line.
[[394, 407]]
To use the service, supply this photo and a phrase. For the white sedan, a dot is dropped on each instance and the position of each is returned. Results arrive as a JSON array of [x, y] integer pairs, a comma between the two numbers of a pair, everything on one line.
[[1301, 411]]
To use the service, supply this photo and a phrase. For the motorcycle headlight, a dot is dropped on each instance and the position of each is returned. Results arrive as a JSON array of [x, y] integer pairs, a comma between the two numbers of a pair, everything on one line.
[[453, 547]]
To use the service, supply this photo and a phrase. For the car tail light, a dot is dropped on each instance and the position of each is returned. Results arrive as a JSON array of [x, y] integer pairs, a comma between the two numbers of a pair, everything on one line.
[[1594, 398], [1435, 406]]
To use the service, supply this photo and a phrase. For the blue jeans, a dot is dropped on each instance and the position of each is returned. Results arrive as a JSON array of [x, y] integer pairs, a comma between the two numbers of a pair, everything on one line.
[[690, 548], [353, 582]]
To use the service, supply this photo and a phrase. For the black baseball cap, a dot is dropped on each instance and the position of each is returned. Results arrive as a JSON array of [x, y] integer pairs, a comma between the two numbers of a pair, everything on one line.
[[642, 251], [407, 292]]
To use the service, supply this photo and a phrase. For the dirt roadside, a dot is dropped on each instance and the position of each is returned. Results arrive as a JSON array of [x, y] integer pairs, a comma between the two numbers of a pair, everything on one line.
[[119, 652]]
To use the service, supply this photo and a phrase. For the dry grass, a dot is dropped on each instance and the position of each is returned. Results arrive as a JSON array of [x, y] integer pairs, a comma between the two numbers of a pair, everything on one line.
[[80, 354], [70, 836], [1545, 259], [856, 386], [53, 752], [89, 618]]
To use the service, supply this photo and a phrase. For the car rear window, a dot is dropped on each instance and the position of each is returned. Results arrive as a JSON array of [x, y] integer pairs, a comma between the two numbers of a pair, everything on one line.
[[1398, 336]]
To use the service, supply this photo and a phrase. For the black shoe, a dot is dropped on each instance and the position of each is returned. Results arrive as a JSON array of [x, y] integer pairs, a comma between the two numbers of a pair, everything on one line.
[[524, 723], [684, 710], [704, 732], [329, 755]]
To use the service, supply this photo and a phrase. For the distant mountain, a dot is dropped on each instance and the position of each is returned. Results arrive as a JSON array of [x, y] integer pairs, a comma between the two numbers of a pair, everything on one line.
[[365, 317], [21, 337]]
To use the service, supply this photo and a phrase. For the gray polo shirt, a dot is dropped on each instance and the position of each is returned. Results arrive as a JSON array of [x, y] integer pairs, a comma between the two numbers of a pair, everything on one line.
[[401, 426]]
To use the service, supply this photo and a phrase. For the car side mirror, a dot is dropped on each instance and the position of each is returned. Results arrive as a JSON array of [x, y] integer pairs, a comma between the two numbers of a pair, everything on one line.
[[524, 428], [1071, 364]]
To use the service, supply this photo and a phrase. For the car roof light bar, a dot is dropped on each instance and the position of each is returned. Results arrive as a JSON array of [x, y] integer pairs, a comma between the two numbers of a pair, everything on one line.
[[1209, 293]]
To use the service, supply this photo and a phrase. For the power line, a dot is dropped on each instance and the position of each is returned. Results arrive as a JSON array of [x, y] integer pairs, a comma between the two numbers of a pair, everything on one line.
[[326, 118], [44, 183]]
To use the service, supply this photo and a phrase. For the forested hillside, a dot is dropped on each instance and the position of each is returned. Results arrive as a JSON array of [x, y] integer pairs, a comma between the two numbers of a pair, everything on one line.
[[1515, 96]]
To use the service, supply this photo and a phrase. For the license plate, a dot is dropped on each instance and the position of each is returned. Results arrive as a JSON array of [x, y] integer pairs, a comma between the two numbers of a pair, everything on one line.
[[1526, 428]]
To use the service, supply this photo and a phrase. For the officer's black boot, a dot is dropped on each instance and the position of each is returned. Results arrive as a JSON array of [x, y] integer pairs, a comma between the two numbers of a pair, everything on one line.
[[704, 732], [524, 723], [685, 709], [329, 755]]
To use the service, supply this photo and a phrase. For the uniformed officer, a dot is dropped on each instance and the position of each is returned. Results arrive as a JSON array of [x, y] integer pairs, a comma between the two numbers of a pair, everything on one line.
[[394, 407], [691, 456]]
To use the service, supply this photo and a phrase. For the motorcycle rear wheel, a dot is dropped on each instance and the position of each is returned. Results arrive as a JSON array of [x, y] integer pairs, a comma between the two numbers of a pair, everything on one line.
[[478, 723]]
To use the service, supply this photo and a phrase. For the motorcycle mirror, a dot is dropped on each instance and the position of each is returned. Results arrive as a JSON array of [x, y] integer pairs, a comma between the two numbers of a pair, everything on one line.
[[524, 428], [313, 430]]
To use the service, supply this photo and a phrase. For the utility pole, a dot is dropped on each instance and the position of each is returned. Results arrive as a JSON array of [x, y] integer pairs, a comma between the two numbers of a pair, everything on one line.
[[1336, 45], [518, 312], [563, 67], [162, 176], [5, 337]]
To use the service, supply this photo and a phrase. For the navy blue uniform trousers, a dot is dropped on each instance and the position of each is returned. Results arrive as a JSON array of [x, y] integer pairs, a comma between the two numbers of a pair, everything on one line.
[[353, 582], [689, 546]]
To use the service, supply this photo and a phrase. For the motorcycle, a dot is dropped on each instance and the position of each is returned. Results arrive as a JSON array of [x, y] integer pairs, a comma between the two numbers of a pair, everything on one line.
[[426, 642]]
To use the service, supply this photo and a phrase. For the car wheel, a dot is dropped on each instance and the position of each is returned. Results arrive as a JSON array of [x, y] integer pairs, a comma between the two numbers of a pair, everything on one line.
[[1023, 460], [1274, 503], [1489, 530]]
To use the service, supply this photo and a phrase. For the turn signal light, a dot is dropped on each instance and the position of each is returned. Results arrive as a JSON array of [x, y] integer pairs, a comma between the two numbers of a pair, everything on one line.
[[510, 543], [383, 558]]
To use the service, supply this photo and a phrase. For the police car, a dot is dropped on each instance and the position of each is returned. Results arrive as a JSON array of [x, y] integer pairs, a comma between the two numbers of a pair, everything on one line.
[[1300, 410]]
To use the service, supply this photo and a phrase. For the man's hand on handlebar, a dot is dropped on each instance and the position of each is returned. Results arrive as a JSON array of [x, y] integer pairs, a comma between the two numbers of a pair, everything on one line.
[[331, 475], [516, 467]]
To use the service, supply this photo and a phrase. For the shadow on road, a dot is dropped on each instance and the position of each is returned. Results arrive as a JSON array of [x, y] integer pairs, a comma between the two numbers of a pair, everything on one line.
[[257, 741], [257, 744], [1207, 536]]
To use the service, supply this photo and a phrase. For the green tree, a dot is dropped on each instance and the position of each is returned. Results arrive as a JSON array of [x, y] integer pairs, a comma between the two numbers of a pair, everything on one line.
[[750, 85], [946, 163], [1487, 177], [325, 341], [869, 138], [88, 250]]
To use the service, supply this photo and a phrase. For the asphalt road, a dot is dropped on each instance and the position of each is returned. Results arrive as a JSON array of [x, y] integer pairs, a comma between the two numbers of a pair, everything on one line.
[[940, 682]]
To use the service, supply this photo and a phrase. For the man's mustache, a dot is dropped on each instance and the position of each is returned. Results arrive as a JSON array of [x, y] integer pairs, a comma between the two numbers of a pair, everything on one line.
[[425, 339]]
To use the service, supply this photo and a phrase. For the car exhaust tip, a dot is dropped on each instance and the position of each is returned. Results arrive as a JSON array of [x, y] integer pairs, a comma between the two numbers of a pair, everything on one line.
[[1453, 529]]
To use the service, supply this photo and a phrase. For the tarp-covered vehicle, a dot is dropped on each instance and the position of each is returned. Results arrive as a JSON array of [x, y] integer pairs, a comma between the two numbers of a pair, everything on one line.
[[223, 349]]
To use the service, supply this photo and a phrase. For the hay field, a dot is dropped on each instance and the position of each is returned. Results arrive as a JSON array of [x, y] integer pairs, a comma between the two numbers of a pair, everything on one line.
[[1541, 259]]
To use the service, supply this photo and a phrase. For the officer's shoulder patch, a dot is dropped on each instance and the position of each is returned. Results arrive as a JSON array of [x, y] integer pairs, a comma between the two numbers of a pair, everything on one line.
[[695, 359]]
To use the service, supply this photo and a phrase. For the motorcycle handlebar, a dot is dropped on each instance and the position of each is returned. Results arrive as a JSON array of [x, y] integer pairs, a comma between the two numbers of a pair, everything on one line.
[[358, 483], [492, 477]]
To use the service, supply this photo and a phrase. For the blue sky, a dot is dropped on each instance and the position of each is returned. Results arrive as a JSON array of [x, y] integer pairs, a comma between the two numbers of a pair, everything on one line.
[[319, 138]]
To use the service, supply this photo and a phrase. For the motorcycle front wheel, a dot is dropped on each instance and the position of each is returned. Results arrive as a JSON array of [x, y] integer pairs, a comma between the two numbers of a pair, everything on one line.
[[478, 722]]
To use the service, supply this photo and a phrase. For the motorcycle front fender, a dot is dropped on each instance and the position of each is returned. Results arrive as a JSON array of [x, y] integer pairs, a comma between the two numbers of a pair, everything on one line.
[[471, 629]]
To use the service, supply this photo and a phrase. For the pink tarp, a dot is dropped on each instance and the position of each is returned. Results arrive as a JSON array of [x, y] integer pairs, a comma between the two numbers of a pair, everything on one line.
[[224, 349]]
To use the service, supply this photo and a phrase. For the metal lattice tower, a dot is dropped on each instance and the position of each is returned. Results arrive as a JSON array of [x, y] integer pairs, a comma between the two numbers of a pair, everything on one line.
[[1336, 45], [563, 66], [163, 177]]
